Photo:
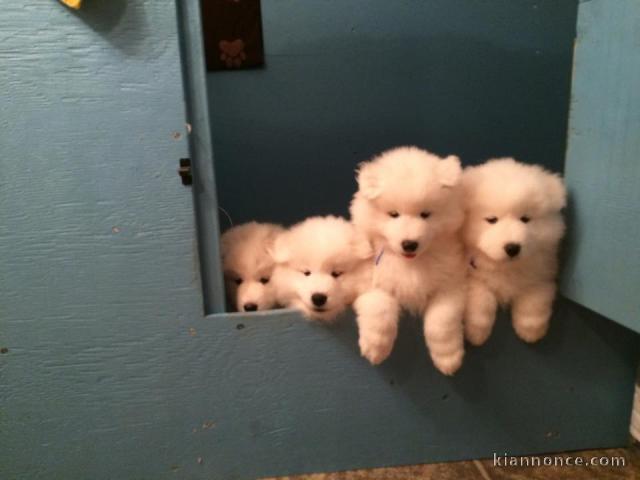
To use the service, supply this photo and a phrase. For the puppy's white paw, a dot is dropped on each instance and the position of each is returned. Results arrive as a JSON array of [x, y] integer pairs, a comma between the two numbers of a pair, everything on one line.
[[531, 313], [530, 330], [377, 317], [450, 363], [476, 334], [375, 347]]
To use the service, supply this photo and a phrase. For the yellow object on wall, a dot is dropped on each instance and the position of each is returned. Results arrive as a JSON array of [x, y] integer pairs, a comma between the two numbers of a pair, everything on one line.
[[72, 3]]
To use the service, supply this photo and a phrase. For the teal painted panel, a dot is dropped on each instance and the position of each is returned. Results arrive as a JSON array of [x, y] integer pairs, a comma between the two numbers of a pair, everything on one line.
[[603, 162], [205, 197], [111, 369], [98, 271], [346, 80], [246, 396]]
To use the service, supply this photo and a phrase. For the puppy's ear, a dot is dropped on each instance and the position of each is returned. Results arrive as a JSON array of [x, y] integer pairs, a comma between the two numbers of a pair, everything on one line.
[[556, 192], [449, 171], [279, 249], [368, 182], [361, 246]]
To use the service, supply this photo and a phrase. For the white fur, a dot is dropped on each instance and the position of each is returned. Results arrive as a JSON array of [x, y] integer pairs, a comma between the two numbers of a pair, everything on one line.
[[377, 317], [247, 264], [337, 259], [509, 191], [411, 181]]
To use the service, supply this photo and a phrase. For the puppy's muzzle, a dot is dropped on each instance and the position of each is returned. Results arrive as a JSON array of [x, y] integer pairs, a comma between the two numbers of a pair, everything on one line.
[[250, 307], [409, 246], [318, 299], [512, 249]]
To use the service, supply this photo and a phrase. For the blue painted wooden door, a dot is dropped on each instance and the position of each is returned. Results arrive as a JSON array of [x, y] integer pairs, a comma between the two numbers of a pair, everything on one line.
[[98, 269], [108, 367], [603, 162]]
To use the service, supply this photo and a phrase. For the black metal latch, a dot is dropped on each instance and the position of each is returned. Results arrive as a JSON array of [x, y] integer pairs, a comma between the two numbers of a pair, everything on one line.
[[185, 171]]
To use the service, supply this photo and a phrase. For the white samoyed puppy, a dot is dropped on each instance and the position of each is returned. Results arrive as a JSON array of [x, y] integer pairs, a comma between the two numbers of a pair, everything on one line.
[[248, 266], [409, 204], [322, 265], [512, 231]]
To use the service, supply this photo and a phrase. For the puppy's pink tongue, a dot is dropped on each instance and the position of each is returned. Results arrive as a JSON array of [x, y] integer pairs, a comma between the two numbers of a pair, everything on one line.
[[409, 255]]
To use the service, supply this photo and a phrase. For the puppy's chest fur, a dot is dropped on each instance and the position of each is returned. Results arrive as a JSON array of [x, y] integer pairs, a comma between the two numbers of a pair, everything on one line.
[[508, 279], [413, 281]]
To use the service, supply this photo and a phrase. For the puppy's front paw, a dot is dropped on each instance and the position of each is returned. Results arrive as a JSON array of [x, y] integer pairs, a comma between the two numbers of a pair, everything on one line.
[[476, 334], [530, 329], [376, 347], [450, 363], [531, 313], [377, 317]]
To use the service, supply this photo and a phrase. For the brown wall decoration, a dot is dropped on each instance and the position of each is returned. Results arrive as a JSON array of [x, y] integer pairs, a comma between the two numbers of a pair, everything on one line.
[[232, 34]]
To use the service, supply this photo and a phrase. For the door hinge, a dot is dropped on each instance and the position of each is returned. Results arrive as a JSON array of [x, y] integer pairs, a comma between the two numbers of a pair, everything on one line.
[[185, 171]]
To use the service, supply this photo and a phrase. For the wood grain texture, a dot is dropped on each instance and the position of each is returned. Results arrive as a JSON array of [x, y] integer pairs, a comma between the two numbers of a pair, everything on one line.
[[205, 197], [603, 162], [111, 369], [98, 269], [271, 394]]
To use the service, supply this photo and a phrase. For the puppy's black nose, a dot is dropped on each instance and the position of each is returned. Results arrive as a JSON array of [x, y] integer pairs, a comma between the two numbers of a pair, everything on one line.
[[250, 307], [409, 246], [512, 249], [319, 299]]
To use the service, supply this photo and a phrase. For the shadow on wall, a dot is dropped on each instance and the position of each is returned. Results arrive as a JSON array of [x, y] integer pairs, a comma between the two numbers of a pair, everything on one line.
[[485, 385], [295, 132], [121, 22], [572, 234]]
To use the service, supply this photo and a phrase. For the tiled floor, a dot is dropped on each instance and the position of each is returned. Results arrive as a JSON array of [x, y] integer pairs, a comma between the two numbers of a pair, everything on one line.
[[485, 470]]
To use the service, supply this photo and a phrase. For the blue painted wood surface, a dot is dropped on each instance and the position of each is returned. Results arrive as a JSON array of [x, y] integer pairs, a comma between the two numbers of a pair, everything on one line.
[[112, 371], [205, 197], [346, 80], [98, 270], [297, 397], [603, 162]]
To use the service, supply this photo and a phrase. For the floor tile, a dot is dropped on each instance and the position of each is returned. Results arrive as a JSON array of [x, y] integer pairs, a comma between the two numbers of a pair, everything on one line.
[[435, 471]]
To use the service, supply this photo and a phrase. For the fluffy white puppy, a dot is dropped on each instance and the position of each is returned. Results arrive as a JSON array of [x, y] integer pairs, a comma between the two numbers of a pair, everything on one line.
[[322, 265], [248, 266], [512, 231], [409, 204]]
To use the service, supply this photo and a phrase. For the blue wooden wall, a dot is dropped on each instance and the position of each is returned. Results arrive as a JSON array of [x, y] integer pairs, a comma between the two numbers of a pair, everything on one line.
[[111, 370], [98, 271], [345, 80], [603, 162]]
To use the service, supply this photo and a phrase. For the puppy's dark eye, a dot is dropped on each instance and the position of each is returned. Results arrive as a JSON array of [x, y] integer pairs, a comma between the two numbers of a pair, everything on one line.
[[336, 273], [238, 281], [393, 214], [306, 273], [525, 219], [491, 219], [425, 215], [264, 280]]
